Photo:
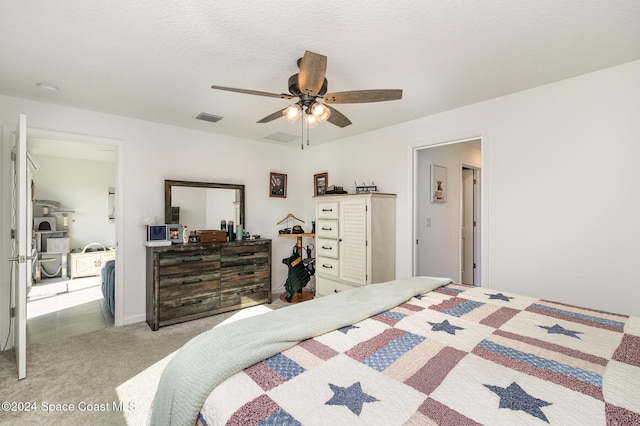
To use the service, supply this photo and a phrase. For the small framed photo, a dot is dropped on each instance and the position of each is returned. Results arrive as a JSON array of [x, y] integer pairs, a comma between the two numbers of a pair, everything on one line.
[[175, 233], [320, 183], [278, 185], [438, 184]]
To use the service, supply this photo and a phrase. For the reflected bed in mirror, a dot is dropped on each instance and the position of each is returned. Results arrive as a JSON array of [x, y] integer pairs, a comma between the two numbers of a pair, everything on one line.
[[202, 205]]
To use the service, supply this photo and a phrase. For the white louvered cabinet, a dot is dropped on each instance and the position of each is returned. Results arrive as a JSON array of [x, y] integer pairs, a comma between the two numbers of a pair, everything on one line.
[[355, 241]]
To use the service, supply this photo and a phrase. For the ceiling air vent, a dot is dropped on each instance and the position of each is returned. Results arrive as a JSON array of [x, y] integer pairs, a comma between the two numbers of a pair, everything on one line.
[[208, 117], [282, 137]]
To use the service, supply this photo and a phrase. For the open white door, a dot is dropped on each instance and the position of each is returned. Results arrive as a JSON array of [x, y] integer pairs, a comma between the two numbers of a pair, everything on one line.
[[23, 244]]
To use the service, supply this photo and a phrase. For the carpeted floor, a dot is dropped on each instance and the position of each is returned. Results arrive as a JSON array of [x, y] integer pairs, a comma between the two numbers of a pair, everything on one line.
[[107, 377]]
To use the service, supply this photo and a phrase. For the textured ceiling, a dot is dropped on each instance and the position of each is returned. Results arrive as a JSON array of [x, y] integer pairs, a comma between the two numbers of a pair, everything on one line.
[[157, 60]]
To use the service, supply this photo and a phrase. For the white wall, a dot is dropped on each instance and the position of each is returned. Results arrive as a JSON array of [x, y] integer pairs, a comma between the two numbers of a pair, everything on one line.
[[81, 186], [560, 199]]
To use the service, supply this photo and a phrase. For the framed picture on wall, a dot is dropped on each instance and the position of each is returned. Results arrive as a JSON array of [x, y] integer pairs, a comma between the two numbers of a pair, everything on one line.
[[320, 183], [438, 184], [278, 185]]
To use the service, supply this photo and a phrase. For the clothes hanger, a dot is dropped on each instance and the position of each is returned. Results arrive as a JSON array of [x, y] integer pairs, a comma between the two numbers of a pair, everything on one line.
[[290, 216]]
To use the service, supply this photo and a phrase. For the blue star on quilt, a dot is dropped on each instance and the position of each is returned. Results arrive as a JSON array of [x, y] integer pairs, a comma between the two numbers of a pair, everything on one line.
[[351, 397], [515, 398], [346, 329], [445, 326], [499, 296], [558, 329]]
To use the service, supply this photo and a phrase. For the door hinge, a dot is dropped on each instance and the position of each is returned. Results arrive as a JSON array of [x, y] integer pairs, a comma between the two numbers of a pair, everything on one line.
[[13, 154], [13, 312], [474, 266], [13, 234]]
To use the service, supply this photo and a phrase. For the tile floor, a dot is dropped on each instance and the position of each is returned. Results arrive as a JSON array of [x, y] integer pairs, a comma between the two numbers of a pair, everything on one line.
[[62, 308]]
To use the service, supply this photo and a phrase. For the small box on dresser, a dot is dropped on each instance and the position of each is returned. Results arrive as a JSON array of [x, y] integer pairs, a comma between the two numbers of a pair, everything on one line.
[[190, 281]]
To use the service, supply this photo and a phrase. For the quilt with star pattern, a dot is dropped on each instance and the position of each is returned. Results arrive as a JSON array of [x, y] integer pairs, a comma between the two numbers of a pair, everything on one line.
[[458, 355]]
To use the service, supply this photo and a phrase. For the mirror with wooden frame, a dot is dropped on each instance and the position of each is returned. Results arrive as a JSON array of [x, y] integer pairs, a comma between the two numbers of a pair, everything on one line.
[[203, 205]]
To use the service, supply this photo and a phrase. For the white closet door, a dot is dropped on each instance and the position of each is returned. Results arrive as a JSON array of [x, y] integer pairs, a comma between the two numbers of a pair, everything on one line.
[[353, 233]]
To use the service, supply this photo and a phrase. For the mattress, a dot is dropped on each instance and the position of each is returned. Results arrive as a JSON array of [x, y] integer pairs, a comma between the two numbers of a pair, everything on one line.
[[450, 356]]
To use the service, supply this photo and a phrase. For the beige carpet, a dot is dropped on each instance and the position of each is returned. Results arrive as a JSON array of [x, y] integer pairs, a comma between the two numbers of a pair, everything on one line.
[[108, 377]]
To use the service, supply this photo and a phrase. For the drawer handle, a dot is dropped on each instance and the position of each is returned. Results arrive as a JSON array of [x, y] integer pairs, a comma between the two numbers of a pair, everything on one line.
[[245, 254], [199, 280], [327, 248], [326, 229], [327, 266], [192, 302], [192, 260], [327, 210], [240, 293], [246, 273]]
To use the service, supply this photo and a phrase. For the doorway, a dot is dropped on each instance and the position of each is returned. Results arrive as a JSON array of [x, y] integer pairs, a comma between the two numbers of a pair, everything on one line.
[[73, 200], [439, 211], [469, 226]]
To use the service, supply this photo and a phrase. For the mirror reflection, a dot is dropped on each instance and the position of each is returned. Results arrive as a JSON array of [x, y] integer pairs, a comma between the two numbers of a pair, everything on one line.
[[202, 205]]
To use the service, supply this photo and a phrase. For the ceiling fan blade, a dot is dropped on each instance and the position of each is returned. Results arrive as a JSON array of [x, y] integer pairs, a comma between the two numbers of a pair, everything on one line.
[[254, 92], [313, 68], [337, 118], [271, 117], [362, 96]]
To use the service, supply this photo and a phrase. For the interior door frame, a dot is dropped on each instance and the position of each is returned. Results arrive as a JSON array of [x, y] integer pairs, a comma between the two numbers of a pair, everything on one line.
[[119, 203], [415, 197]]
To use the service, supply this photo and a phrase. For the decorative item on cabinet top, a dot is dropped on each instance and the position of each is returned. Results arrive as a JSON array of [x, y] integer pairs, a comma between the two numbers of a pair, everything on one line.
[[320, 183]]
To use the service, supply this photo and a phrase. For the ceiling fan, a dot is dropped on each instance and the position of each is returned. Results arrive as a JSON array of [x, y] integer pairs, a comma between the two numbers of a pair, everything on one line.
[[310, 86]]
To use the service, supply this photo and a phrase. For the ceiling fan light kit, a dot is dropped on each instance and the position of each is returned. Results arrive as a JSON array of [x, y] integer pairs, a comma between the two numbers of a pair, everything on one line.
[[292, 112], [310, 85]]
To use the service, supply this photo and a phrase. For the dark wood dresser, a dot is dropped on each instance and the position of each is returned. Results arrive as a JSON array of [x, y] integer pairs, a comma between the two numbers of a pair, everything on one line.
[[195, 280]]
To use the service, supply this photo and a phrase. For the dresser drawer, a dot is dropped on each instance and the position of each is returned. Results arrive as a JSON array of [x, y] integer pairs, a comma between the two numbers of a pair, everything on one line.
[[247, 295], [244, 255], [189, 277], [325, 287], [185, 262], [327, 229], [245, 275], [196, 285], [186, 305], [327, 210], [327, 248], [327, 266]]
